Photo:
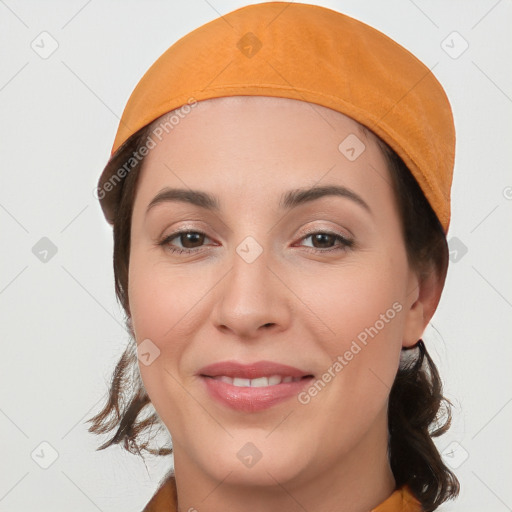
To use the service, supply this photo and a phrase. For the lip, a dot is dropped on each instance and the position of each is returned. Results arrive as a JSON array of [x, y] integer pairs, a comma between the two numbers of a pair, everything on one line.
[[252, 399], [251, 371]]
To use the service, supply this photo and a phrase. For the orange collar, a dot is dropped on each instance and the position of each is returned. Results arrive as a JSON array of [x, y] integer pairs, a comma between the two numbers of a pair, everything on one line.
[[165, 499]]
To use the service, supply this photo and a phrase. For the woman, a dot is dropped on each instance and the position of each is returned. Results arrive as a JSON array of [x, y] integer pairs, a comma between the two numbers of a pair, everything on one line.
[[279, 189]]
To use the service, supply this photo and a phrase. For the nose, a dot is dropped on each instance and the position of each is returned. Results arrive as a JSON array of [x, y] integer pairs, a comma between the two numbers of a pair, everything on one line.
[[253, 299]]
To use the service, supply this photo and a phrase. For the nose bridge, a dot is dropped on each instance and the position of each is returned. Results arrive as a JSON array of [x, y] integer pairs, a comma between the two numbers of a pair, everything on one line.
[[251, 296]]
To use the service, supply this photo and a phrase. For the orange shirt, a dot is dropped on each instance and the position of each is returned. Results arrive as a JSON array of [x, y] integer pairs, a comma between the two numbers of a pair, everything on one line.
[[401, 500]]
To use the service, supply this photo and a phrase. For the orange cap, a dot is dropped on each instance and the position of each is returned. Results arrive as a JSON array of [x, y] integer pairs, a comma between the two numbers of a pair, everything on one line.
[[308, 53]]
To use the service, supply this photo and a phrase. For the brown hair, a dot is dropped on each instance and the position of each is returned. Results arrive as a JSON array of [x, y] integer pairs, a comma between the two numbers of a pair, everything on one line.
[[417, 409]]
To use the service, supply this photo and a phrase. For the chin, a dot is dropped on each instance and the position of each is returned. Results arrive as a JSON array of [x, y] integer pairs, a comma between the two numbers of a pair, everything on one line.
[[252, 460]]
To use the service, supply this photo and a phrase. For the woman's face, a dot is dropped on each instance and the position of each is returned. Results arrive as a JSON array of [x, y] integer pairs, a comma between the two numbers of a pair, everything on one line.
[[269, 272]]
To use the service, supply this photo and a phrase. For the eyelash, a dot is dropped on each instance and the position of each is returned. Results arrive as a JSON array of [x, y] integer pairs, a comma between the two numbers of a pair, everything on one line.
[[346, 243]]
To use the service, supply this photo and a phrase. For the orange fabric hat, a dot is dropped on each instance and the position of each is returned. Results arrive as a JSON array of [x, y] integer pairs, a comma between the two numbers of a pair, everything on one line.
[[309, 53]]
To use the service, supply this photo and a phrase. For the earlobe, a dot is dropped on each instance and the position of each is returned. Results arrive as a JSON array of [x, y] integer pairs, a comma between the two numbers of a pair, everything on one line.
[[424, 298]]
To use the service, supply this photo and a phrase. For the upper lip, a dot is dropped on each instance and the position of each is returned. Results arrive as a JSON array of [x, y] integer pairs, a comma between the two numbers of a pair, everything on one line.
[[254, 370]]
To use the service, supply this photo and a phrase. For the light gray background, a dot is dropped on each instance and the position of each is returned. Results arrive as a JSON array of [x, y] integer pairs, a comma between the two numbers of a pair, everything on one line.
[[61, 327]]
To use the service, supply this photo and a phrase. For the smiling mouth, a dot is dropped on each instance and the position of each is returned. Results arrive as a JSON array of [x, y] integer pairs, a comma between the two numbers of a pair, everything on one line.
[[258, 382], [253, 387]]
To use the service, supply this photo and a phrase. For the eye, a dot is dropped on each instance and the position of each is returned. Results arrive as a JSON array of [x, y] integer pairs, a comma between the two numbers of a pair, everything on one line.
[[190, 241], [325, 241]]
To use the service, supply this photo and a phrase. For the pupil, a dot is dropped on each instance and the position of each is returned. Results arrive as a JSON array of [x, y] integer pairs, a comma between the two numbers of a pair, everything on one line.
[[191, 238], [322, 238]]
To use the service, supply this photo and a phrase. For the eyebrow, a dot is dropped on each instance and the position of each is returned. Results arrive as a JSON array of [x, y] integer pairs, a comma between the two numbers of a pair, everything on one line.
[[289, 200]]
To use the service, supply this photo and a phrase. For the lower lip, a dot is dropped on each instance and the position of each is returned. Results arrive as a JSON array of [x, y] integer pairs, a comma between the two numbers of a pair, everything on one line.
[[249, 399]]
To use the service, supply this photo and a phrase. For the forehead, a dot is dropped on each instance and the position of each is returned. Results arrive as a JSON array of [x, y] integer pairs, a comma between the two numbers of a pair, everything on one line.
[[241, 146]]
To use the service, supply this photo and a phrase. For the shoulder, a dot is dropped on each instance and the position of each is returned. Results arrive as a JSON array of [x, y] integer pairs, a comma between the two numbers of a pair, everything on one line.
[[164, 499], [402, 500]]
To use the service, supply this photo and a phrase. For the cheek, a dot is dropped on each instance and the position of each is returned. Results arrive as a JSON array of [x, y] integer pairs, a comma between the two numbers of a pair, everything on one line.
[[354, 298], [167, 307], [162, 299], [362, 309], [162, 308]]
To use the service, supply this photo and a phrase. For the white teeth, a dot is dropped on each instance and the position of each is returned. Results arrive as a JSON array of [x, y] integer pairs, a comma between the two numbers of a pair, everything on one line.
[[275, 379], [241, 382], [257, 383]]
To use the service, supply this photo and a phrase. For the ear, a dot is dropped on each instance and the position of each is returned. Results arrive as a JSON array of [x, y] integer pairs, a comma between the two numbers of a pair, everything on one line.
[[422, 300]]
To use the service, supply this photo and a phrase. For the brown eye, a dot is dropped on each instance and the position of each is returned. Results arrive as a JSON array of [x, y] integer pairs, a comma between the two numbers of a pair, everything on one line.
[[190, 239], [325, 241], [187, 241]]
